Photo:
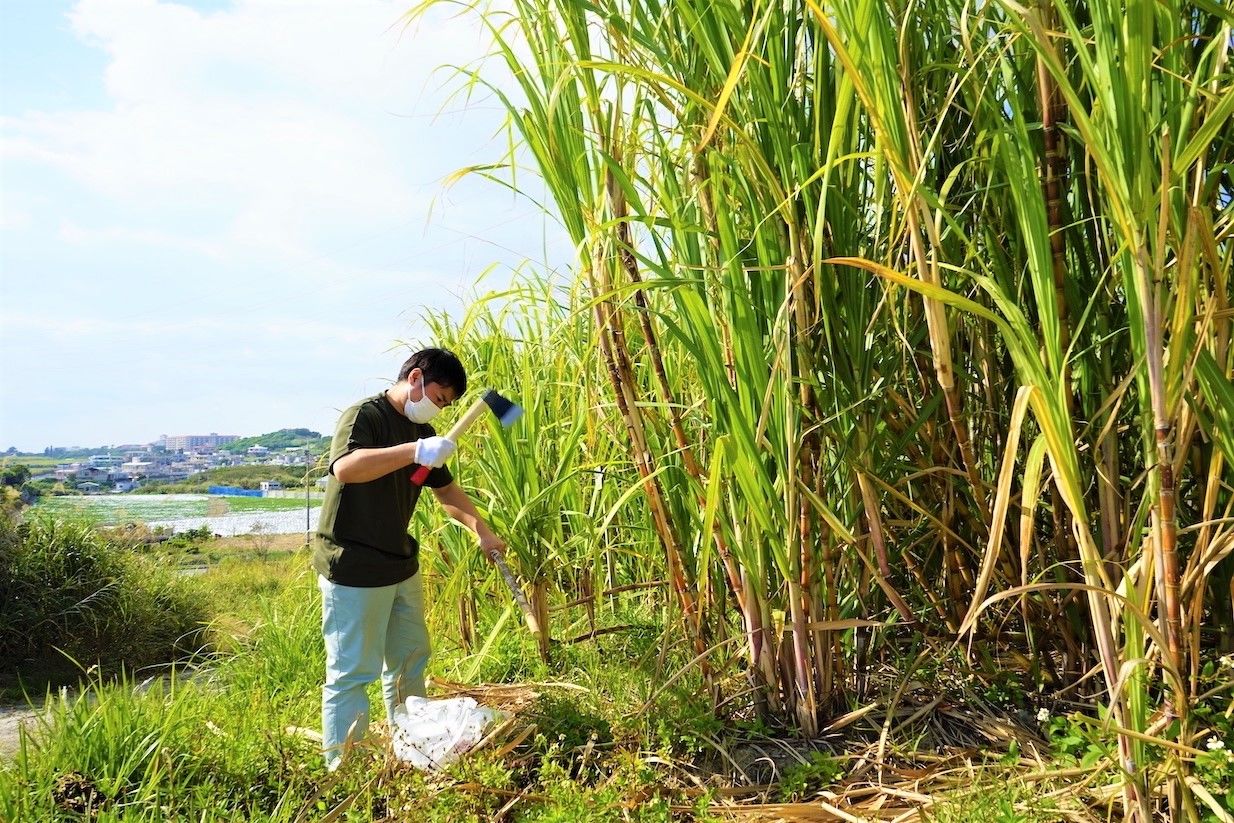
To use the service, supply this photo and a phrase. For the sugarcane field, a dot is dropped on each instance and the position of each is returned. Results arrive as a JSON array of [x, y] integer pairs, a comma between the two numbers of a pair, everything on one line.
[[861, 449]]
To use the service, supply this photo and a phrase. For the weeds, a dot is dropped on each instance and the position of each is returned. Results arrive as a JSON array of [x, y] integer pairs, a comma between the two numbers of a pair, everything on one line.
[[995, 801], [221, 742], [801, 779], [70, 599], [1075, 743], [213, 744], [217, 745]]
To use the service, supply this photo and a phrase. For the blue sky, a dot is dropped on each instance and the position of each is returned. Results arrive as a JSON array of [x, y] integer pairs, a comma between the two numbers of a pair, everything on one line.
[[224, 216]]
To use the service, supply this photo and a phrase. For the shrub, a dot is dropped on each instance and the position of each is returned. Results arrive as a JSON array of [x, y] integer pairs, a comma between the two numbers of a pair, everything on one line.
[[69, 595]]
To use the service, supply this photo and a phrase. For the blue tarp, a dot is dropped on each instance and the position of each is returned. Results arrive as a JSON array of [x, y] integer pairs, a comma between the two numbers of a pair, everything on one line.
[[234, 491]]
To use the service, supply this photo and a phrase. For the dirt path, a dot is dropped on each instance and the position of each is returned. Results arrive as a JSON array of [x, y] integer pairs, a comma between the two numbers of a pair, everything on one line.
[[12, 718]]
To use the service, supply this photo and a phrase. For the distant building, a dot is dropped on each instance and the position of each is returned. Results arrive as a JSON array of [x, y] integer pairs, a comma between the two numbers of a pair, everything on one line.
[[88, 487], [271, 485], [258, 451], [184, 468], [145, 468], [92, 473], [196, 442], [293, 456]]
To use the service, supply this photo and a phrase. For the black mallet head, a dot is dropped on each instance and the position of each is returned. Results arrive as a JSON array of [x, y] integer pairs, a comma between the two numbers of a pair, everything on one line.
[[506, 410]]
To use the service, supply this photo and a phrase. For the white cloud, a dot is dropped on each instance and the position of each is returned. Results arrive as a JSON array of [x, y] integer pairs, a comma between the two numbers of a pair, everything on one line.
[[82, 329], [76, 234], [288, 119], [269, 157], [257, 207], [14, 219]]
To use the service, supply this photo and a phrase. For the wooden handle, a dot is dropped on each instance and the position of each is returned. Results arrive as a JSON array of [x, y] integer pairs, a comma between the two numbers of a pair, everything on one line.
[[464, 423], [507, 574], [474, 413]]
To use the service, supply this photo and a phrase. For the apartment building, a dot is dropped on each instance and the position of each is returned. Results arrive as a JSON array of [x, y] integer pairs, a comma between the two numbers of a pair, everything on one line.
[[196, 442]]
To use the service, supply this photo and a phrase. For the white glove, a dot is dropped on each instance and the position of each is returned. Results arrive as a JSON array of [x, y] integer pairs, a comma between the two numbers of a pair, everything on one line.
[[434, 451]]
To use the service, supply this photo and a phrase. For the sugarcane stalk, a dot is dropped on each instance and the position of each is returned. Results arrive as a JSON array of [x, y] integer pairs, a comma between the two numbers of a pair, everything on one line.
[[1053, 170], [621, 375], [629, 265]]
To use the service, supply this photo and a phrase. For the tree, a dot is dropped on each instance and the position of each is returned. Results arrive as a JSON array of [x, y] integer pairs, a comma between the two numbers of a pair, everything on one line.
[[14, 475]]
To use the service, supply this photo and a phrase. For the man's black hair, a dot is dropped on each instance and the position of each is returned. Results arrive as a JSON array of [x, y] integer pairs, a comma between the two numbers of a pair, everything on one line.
[[438, 366]]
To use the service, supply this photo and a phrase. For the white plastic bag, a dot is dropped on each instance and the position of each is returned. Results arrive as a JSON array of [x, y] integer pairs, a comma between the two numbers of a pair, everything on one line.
[[431, 733]]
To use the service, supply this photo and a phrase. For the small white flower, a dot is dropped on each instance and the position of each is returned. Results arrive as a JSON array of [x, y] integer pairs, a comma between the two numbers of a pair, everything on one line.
[[1215, 744], [1043, 715], [1227, 661]]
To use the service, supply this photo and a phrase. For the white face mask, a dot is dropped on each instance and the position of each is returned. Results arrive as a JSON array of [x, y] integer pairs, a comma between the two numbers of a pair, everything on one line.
[[422, 410]]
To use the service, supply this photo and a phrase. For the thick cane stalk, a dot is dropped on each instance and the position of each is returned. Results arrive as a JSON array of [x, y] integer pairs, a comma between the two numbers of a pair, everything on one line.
[[621, 376]]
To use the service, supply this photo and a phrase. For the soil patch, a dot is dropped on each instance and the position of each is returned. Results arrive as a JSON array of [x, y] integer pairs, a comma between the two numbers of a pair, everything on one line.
[[12, 719]]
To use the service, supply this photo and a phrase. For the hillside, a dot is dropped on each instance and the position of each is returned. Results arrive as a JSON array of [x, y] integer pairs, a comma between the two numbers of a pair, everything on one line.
[[246, 477], [282, 439]]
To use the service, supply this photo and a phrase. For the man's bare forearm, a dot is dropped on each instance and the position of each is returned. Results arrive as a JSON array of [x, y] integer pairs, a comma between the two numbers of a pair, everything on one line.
[[460, 508], [364, 465]]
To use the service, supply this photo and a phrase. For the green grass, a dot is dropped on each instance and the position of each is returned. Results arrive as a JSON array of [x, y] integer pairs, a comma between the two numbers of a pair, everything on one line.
[[212, 745], [632, 736], [36, 463], [215, 746], [995, 800], [72, 599]]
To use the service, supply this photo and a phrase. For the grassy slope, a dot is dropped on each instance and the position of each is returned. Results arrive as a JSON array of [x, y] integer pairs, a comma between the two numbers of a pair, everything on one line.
[[37, 464], [629, 742], [70, 598]]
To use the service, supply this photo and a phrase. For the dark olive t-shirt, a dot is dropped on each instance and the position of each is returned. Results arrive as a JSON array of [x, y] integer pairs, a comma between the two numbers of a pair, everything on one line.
[[362, 537]]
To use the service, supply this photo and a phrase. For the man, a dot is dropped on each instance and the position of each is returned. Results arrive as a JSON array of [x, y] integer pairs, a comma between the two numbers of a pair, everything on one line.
[[367, 563]]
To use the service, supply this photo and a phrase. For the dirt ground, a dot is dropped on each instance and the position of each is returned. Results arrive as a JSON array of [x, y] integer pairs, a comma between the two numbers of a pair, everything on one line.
[[249, 544], [12, 718]]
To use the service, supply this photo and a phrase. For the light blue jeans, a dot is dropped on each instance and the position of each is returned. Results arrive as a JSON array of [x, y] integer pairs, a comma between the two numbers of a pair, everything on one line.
[[368, 632]]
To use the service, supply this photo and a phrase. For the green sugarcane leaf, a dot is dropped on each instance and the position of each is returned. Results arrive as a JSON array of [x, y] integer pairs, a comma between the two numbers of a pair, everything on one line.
[[1217, 410]]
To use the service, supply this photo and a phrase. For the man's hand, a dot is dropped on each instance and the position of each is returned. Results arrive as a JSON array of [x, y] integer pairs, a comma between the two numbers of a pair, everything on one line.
[[434, 451], [492, 546]]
